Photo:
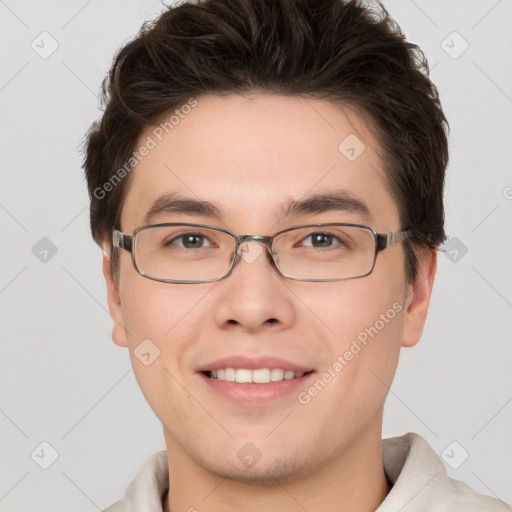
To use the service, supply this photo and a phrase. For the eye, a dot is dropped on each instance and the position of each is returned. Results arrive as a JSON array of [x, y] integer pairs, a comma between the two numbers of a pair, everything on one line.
[[189, 241], [321, 240]]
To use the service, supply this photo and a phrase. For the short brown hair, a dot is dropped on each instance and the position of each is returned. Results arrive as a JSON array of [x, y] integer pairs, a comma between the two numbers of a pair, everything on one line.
[[331, 49]]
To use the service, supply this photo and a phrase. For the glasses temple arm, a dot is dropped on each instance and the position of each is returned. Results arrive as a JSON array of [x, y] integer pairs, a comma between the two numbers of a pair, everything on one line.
[[121, 241], [389, 239]]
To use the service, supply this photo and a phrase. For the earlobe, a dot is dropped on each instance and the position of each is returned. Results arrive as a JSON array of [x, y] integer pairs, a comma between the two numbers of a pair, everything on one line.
[[114, 304], [418, 298]]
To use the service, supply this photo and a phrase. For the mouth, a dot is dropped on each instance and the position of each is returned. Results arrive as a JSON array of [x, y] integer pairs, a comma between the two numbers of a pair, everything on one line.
[[256, 376], [258, 387], [251, 380]]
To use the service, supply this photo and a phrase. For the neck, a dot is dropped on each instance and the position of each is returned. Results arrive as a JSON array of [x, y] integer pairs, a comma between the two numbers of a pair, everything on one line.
[[353, 480]]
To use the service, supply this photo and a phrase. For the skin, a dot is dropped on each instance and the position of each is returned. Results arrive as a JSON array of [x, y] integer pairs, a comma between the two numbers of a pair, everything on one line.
[[251, 155]]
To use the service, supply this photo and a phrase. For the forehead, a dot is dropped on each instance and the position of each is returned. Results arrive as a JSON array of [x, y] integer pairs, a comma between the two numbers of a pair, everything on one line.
[[254, 156]]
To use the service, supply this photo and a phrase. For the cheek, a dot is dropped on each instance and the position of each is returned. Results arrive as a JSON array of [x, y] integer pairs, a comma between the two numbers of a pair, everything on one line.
[[365, 320], [352, 308], [162, 320], [359, 353], [155, 316], [155, 310], [150, 312]]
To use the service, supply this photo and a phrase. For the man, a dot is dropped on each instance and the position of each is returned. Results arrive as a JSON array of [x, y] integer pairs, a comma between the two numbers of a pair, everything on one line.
[[266, 183]]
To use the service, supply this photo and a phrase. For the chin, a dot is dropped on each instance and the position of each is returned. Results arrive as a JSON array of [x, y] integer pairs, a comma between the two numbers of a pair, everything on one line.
[[252, 467]]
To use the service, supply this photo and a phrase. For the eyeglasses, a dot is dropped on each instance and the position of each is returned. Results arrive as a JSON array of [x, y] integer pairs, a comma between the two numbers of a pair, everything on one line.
[[198, 253]]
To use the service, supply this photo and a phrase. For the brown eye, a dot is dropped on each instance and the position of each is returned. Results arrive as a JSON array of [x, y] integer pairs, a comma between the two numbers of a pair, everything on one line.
[[189, 241]]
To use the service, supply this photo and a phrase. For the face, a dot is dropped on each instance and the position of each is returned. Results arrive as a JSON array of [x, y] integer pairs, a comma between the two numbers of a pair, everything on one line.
[[251, 157]]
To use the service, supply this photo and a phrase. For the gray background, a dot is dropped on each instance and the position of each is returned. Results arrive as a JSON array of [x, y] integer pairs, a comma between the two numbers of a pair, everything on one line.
[[63, 381]]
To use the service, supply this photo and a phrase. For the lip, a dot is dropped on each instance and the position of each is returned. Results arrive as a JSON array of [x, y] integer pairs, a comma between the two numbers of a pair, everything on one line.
[[253, 363], [251, 394]]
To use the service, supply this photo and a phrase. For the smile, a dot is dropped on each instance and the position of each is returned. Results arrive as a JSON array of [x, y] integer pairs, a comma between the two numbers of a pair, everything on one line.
[[257, 376]]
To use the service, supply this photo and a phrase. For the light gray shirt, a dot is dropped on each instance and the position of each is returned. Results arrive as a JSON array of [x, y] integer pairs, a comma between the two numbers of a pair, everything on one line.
[[419, 479]]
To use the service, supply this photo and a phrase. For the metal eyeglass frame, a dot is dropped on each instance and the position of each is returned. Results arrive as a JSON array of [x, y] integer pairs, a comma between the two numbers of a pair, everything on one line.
[[382, 241]]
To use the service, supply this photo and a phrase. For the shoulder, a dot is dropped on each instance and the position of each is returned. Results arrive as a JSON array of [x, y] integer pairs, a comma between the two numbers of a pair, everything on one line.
[[421, 483], [146, 490], [116, 507]]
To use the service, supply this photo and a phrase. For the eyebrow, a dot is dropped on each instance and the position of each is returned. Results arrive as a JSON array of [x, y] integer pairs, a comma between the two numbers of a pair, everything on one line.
[[338, 200], [174, 203]]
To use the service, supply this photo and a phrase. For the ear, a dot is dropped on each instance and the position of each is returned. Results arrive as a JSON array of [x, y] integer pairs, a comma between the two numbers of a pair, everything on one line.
[[418, 297], [114, 303]]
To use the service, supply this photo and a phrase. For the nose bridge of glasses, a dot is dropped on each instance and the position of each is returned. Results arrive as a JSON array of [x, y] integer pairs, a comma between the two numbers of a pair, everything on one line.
[[256, 238], [243, 239], [250, 253]]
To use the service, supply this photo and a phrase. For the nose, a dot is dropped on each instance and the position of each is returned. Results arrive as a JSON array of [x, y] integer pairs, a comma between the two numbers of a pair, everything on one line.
[[254, 297]]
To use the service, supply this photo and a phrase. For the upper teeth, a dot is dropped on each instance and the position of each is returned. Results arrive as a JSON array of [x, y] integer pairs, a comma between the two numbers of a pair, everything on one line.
[[261, 375]]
